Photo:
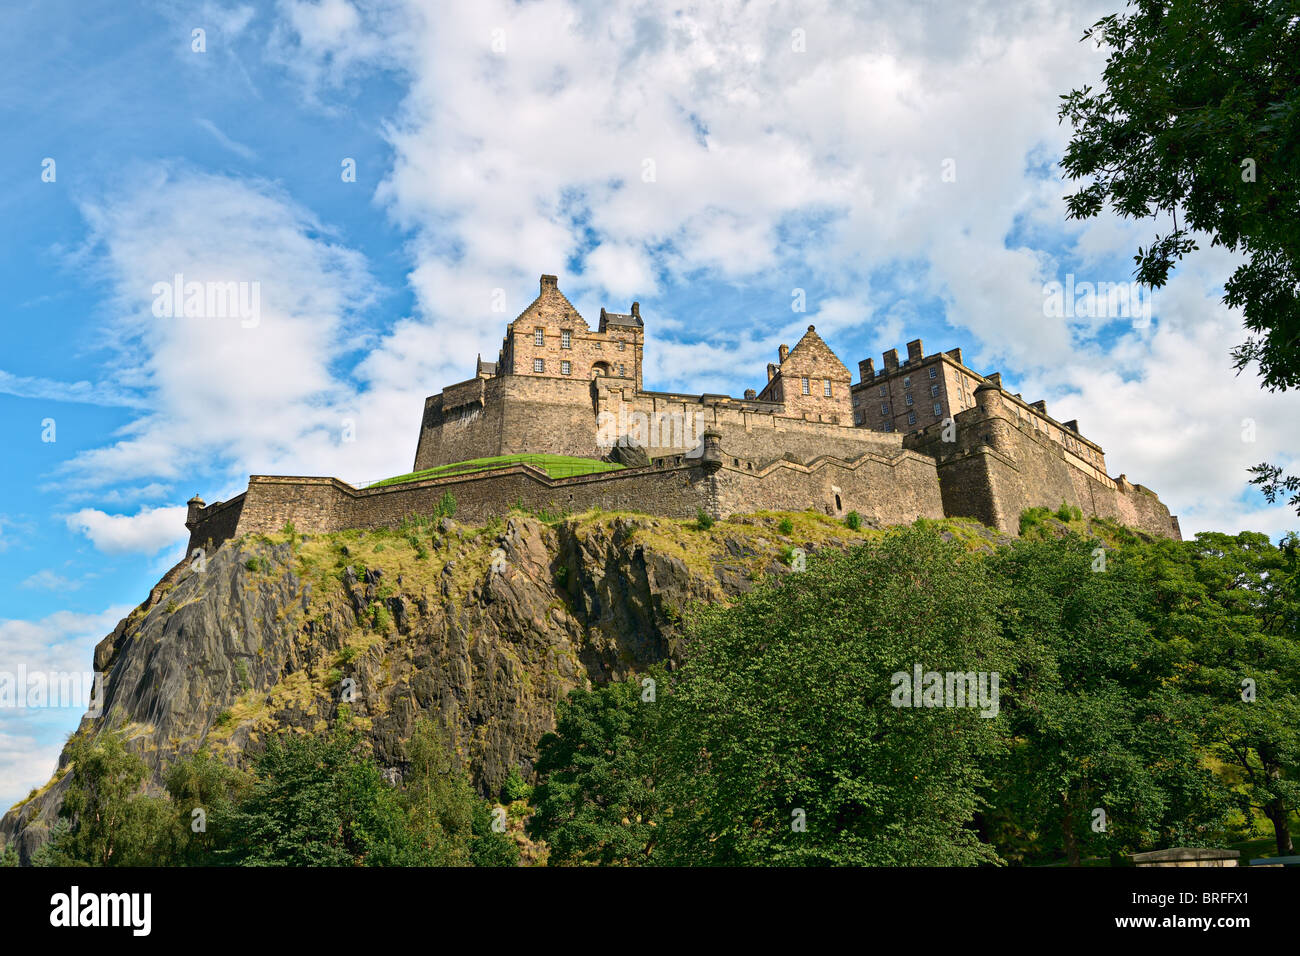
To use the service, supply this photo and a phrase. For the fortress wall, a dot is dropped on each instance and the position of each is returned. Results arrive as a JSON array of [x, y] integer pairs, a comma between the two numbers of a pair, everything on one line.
[[998, 466], [219, 522], [751, 430], [547, 416], [318, 505], [882, 491], [470, 427]]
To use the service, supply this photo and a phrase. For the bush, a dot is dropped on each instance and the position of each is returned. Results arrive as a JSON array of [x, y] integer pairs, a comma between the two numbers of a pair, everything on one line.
[[515, 788], [785, 526], [853, 520], [447, 505], [253, 564], [703, 521]]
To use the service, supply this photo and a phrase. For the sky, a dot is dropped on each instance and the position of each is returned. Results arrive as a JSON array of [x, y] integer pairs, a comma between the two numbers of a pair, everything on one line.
[[390, 178]]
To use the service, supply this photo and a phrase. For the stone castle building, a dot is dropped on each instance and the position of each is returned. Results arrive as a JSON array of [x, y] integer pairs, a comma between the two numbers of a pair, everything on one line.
[[922, 437]]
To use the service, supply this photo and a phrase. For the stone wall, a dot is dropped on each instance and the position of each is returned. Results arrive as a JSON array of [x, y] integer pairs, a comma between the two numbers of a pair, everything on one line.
[[998, 465]]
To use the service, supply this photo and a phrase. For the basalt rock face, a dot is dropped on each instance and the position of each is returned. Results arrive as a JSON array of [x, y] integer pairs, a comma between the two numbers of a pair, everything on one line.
[[486, 628]]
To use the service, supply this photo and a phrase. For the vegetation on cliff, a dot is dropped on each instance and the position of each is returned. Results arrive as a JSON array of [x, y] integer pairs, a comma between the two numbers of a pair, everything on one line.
[[677, 693]]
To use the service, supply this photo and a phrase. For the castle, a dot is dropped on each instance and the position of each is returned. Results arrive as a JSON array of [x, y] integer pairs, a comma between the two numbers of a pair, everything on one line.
[[921, 437]]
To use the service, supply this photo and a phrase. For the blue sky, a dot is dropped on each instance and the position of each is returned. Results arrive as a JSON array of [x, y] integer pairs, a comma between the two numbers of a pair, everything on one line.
[[898, 166]]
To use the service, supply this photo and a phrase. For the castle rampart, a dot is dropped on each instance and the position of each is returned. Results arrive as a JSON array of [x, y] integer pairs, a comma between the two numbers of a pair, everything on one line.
[[804, 442]]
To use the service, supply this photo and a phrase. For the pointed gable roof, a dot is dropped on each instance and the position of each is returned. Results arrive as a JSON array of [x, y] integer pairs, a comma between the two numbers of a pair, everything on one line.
[[551, 307], [811, 350]]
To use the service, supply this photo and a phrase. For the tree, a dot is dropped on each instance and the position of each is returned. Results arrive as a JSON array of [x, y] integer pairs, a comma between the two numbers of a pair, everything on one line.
[[1227, 608], [319, 801], [108, 820], [789, 742], [597, 800], [1199, 115], [439, 801], [1104, 758], [1199, 120], [204, 793]]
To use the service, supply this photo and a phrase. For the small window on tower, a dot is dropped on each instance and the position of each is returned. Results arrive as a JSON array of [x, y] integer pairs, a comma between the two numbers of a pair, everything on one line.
[[826, 389], [907, 381], [938, 409], [539, 336], [884, 409], [884, 391], [566, 339], [934, 391], [911, 418], [539, 365], [806, 388], [934, 372], [622, 346], [908, 399]]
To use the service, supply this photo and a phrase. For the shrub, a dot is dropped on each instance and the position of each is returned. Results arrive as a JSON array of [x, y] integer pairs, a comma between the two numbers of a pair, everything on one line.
[[785, 526], [447, 505], [515, 788], [253, 564], [853, 520], [703, 521]]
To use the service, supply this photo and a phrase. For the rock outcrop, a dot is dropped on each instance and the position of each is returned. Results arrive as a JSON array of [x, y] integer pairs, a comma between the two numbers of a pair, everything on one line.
[[486, 627]]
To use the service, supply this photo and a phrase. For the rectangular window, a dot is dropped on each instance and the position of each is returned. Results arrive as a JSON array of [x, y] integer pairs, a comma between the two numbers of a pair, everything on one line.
[[938, 409], [884, 409], [566, 339], [806, 389], [884, 391], [908, 399], [621, 370], [539, 336], [907, 381], [889, 426], [934, 372], [934, 391], [622, 346], [826, 390], [911, 418], [539, 365], [564, 368]]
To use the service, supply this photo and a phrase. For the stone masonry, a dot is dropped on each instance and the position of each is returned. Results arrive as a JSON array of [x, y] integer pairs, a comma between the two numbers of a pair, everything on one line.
[[923, 437]]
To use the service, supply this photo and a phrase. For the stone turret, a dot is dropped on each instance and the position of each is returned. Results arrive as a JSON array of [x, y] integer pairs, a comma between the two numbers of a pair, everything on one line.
[[195, 509]]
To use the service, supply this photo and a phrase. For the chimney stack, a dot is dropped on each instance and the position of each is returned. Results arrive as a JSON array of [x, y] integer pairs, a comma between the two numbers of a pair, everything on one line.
[[914, 350], [771, 371], [750, 393], [549, 282], [891, 360], [867, 369], [783, 352], [995, 379]]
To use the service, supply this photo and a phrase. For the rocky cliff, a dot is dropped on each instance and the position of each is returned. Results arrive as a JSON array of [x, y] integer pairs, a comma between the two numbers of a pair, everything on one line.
[[488, 627]]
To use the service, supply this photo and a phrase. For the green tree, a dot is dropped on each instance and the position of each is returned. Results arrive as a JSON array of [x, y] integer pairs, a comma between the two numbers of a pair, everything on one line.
[[1198, 119], [440, 803], [1227, 608], [596, 801], [1104, 758], [786, 747], [319, 801], [109, 820], [204, 792]]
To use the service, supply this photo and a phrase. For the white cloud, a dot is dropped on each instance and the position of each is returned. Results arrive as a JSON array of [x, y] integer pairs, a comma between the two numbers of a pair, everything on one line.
[[47, 580], [61, 643], [146, 532]]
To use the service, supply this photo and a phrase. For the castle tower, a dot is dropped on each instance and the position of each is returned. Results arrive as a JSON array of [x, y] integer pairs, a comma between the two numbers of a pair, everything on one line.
[[551, 339], [811, 381]]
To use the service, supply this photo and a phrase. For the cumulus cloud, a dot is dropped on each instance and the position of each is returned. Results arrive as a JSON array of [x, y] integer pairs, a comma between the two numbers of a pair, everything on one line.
[[60, 643], [146, 532]]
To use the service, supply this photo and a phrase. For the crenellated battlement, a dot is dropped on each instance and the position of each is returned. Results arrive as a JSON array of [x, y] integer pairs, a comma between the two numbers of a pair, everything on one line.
[[924, 436]]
